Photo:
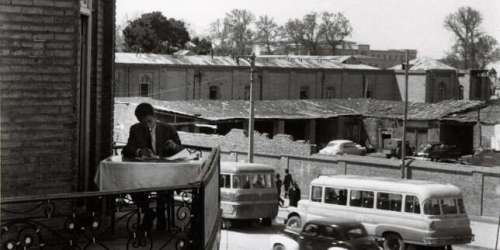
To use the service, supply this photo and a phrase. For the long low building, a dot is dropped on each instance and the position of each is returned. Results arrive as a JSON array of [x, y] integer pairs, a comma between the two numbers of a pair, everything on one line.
[[366, 121], [167, 77], [177, 77]]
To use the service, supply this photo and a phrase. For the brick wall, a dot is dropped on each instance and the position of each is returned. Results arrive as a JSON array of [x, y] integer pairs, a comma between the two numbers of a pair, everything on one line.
[[478, 184], [176, 82], [39, 72]]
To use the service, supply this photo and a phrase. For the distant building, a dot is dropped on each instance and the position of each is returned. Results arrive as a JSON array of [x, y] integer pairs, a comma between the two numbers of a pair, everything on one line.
[[378, 58], [429, 81], [365, 121], [167, 77], [475, 85]]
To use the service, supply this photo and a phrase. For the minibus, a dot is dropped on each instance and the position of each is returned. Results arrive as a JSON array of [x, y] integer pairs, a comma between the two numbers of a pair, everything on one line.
[[398, 212], [248, 192]]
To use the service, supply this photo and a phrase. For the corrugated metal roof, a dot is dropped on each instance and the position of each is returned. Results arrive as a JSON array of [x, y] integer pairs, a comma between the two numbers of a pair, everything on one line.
[[198, 60], [157, 59], [218, 110], [425, 63], [490, 114]]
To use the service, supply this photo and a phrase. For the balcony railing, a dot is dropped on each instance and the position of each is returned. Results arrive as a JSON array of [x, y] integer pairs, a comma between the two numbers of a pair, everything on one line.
[[111, 220]]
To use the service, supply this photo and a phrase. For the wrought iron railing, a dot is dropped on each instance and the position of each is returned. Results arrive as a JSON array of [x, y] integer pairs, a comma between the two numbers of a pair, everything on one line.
[[111, 220]]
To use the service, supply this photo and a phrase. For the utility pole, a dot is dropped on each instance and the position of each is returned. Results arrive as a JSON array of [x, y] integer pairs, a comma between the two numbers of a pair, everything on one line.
[[251, 119], [405, 117]]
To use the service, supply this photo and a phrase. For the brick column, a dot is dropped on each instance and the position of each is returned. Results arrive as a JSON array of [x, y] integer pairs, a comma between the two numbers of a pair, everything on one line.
[[311, 131], [278, 127]]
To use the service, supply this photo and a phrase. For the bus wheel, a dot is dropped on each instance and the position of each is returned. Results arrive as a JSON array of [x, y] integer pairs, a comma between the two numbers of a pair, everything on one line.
[[267, 222], [393, 241], [278, 246], [294, 222]]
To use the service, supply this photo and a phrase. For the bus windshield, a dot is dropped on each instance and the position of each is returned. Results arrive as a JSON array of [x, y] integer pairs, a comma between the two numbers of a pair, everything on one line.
[[253, 181], [444, 206]]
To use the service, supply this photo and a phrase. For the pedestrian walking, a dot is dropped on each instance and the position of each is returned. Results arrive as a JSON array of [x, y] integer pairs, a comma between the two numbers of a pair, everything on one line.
[[287, 182], [294, 194], [279, 183]]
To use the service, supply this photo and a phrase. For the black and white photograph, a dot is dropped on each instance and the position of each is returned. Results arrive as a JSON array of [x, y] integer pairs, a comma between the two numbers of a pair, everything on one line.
[[250, 125]]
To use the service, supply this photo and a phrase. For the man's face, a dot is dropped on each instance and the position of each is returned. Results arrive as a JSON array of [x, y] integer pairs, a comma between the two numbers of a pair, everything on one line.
[[149, 121]]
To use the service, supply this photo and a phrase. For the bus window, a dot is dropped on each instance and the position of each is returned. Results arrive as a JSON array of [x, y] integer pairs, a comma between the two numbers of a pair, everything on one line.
[[412, 205], [431, 207], [245, 181], [225, 181], [392, 202], [269, 181], [336, 196], [461, 207], [236, 181], [361, 199], [316, 193], [258, 181], [449, 206]]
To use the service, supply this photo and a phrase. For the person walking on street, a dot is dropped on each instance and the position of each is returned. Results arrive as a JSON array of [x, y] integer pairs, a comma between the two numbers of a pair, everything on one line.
[[287, 182], [279, 183], [294, 194]]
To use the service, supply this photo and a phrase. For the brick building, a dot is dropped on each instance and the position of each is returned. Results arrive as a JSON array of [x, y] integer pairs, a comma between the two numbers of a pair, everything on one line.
[[475, 85], [167, 77], [379, 58], [365, 121], [429, 81], [56, 64]]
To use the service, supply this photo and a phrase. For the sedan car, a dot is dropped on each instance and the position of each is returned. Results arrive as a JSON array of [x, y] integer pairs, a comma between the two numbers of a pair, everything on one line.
[[325, 234], [439, 152], [339, 147]]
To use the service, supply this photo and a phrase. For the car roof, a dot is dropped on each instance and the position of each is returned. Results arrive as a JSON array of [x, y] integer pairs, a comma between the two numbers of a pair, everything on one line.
[[340, 141], [335, 221]]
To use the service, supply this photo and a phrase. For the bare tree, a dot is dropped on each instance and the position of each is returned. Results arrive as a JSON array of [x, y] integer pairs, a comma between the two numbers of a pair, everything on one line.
[[240, 32], [335, 27], [294, 30], [267, 31], [470, 40], [219, 35], [312, 32]]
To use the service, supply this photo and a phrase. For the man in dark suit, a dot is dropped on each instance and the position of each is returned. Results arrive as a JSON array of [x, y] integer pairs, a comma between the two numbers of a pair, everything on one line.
[[151, 139]]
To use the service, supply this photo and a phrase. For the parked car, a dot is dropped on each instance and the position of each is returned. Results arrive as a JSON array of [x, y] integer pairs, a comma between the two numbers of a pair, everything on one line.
[[327, 234], [439, 152], [339, 147]]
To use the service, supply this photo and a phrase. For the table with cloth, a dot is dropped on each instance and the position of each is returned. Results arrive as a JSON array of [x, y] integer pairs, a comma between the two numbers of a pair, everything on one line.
[[116, 174]]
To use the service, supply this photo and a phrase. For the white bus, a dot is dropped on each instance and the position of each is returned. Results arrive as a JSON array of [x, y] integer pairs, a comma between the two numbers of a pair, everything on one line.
[[397, 211]]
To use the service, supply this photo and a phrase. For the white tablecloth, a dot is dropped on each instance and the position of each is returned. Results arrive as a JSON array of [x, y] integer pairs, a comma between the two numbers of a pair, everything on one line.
[[114, 174]]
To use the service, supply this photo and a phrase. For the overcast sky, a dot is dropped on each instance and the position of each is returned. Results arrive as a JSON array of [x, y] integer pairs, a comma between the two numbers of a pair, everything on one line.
[[383, 24]]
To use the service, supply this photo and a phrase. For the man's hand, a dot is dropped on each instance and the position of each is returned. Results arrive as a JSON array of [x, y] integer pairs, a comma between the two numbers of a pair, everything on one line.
[[172, 146]]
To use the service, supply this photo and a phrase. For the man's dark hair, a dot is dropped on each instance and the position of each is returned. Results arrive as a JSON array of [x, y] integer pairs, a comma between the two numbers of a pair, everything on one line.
[[143, 110]]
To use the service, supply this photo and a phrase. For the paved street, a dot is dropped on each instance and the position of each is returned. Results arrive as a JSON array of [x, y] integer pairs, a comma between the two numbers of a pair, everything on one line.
[[254, 236]]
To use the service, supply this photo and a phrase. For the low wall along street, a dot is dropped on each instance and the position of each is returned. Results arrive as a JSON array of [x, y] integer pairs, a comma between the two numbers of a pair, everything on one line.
[[478, 184]]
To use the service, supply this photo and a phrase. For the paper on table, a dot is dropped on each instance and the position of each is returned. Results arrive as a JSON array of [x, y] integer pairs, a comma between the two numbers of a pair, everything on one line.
[[182, 155]]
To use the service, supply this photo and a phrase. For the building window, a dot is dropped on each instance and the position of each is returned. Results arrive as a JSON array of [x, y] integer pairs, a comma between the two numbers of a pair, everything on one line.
[[145, 82], [144, 89], [213, 93], [330, 92], [247, 92], [442, 91], [304, 92], [460, 92]]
